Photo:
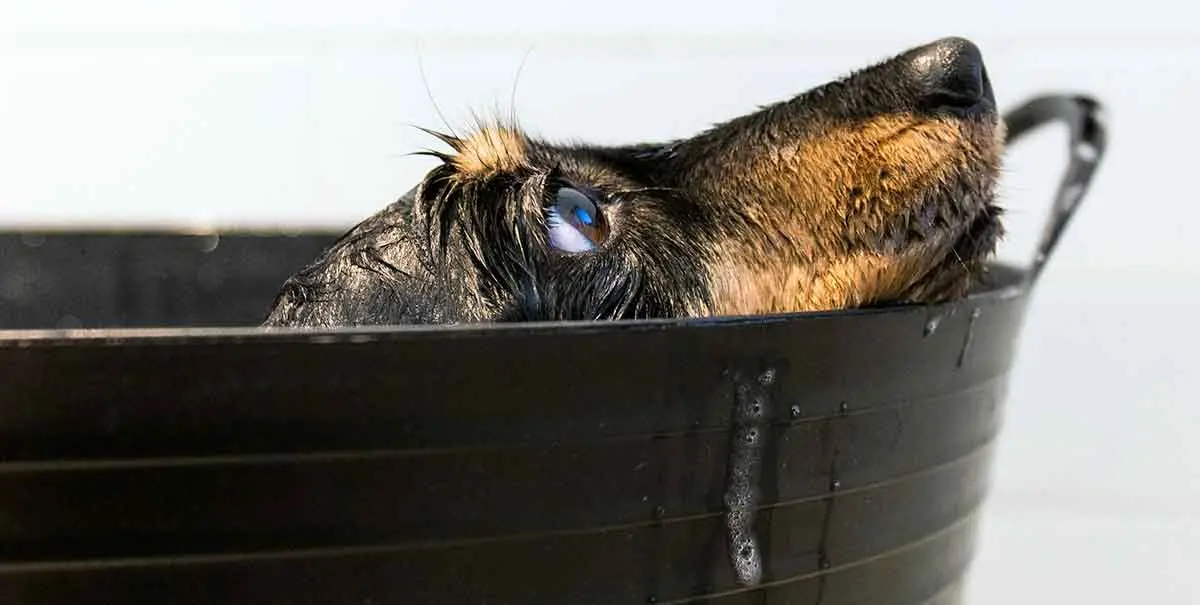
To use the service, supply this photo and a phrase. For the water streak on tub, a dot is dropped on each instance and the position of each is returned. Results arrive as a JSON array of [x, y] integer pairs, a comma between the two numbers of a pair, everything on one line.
[[968, 337], [751, 418], [931, 326]]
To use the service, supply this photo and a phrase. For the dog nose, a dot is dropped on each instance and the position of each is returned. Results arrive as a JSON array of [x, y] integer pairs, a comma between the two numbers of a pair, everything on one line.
[[950, 73]]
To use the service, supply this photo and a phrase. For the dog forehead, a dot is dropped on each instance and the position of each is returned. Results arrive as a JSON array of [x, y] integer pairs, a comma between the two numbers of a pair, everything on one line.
[[584, 167]]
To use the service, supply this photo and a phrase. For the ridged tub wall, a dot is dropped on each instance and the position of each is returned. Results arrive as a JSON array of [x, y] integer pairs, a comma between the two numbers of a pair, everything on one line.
[[569, 463]]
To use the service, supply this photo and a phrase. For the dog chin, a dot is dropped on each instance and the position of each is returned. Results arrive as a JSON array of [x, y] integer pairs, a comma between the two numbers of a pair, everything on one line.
[[963, 264]]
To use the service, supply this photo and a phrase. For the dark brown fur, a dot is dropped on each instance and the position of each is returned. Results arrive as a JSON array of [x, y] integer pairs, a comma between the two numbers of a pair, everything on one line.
[[875, 189]]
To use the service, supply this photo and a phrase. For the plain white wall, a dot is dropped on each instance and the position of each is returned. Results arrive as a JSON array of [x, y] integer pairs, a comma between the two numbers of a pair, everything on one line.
[[275, 113]]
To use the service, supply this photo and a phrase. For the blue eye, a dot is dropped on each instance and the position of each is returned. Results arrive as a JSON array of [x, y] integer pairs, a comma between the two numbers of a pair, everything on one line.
[[574, 222], [583, 215]]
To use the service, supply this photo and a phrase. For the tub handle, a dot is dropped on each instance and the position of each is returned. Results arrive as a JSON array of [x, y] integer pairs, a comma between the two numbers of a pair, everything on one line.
[[1088, 139]]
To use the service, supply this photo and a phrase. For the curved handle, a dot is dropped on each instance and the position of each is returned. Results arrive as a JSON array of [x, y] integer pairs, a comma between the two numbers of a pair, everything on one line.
[[1088, 137]]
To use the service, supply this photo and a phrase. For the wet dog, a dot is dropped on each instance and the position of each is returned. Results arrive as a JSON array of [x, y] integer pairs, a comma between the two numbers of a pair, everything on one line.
[[871, 190]]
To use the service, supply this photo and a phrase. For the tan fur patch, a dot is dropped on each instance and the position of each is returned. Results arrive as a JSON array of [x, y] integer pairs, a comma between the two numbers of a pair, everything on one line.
[[856, 180], [489, 150], [774, 285], [860, 176]]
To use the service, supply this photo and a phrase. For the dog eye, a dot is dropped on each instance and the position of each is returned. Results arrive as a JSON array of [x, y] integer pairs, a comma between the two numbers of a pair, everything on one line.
[[574, 221]]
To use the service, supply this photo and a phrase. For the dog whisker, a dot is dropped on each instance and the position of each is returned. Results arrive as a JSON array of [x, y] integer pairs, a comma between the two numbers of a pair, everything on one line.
[[429, 91]]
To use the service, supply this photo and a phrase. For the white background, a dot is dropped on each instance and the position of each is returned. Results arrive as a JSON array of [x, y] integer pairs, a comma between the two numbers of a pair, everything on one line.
[[275, 113]]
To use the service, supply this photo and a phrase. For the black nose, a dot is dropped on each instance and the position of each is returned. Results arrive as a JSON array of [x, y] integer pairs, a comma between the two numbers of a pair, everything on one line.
[[950, 74]]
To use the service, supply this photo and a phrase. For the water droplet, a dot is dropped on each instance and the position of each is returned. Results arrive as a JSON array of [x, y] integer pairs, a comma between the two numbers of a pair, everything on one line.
[[209, 242], [824, 563], [843, 408], [751, 436], [835, 485], [767, 377], [931, 326], [660, 511], [795, 412], [747, 561], [968, 337]]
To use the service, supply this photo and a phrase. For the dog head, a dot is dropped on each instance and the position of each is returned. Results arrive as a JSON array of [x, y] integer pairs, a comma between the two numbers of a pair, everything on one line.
[[874, 189]]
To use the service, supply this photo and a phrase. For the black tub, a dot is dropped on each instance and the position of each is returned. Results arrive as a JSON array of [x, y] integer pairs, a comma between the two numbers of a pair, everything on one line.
[[818, 458]]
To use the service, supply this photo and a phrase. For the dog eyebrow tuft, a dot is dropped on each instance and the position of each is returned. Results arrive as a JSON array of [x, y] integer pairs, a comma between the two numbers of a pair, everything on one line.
[[487, 151]]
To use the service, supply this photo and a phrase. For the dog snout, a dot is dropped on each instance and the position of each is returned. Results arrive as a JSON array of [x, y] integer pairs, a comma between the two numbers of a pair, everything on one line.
[[950, 73]]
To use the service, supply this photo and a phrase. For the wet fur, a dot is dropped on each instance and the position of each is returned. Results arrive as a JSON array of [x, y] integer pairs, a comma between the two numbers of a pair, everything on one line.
[[853, 194]]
